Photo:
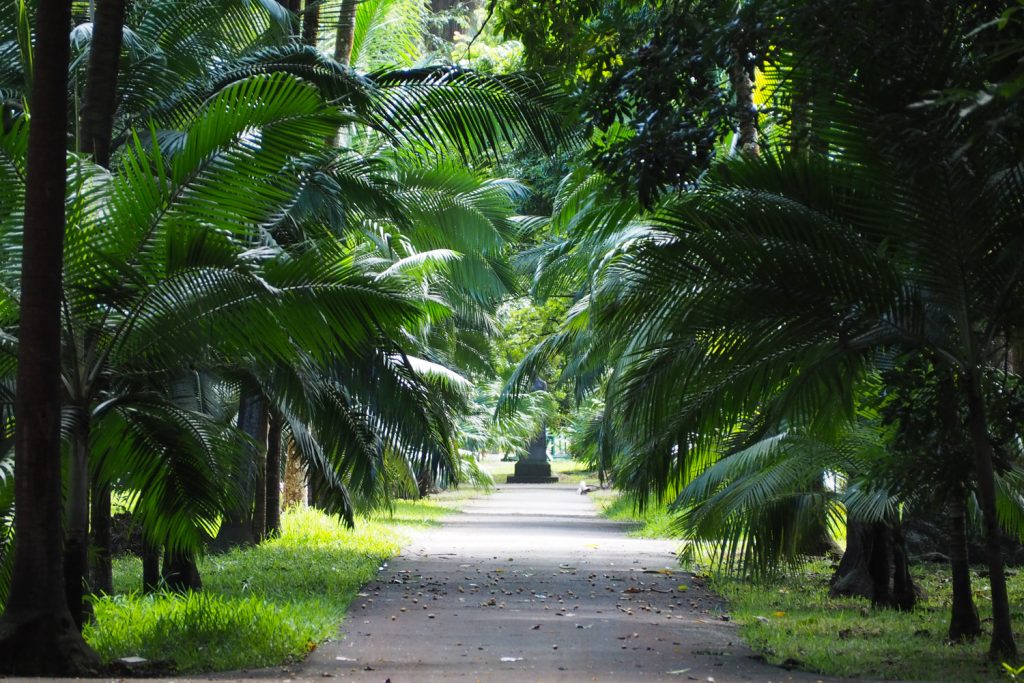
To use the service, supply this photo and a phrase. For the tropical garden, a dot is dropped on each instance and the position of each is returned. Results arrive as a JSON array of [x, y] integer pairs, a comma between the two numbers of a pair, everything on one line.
[[767, 256]]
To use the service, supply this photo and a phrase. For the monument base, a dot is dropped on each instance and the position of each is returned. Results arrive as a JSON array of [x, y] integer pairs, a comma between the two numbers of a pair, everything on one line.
[[532, 472]]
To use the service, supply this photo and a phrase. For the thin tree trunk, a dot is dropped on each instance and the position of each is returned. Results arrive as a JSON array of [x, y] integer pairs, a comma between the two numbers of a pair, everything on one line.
[[1003, 647], [37, 634], [273, 476], [344, 38], [311, 23], [100, 100], [259, 508], [150, 567], [102, 570], [746, 110], [76, 547], [964, 623]]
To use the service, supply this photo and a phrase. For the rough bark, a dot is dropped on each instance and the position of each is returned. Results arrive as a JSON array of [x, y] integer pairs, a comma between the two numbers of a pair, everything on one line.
[[273, 477], [37, 634], [1003, 647], [294, 478], [746, 110], [311, 23], [237, 529], [181, 574], [100, 99], [150, 567], [76, 546], [964, 623], [344, 38], [102, 571]]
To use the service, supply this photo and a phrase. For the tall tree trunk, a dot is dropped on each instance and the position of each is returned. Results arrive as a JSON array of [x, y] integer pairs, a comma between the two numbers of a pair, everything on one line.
[[963, 622], [76, 547], [102, 570], [37, 634], [344, 39], [181, 574], [150, 566], [100, 100], [746, 110], [311, 23], [273, 475], [1003, 647], [96, 130]]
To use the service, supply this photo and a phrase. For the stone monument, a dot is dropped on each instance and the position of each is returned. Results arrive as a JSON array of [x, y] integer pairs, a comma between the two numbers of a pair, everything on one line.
[[535, 468]]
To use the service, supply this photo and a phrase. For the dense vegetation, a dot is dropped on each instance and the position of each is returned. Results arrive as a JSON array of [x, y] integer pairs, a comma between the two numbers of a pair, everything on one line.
[[766, 256]]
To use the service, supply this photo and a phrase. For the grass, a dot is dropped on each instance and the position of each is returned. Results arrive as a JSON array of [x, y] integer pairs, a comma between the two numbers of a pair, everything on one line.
[[654, 522], [800, 625], [260, 606]]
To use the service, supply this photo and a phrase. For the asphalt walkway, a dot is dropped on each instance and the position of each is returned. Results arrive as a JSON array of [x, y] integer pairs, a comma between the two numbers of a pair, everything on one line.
[[529, 584]]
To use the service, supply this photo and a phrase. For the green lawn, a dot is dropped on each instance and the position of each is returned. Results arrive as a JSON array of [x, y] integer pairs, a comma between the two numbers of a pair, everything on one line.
[[260, 606], [800, 624]]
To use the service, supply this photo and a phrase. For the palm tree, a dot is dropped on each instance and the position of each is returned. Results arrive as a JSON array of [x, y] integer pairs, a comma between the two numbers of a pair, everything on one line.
[[36, 631]]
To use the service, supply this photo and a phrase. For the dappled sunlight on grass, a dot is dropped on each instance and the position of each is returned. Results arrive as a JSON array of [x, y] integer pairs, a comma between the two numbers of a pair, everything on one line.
[[261, 605]]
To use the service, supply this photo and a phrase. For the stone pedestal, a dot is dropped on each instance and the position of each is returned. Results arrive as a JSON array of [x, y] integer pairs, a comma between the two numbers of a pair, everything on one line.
[[535, 467]]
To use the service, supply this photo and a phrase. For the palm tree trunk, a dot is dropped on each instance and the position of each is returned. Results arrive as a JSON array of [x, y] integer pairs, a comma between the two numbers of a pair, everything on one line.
[[259, 507], [76, 546], [37, 634], [1003, 647], [963, 623], [102, 570], [100, 100], [746, 110], [181, 574], [311, 22], [273, 477], [904, 591], [237, 528], [344, 39], [294, 478], [150, 566]]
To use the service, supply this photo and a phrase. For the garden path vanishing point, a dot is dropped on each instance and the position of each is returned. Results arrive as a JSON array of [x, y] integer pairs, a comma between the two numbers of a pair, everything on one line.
[[529, 584]]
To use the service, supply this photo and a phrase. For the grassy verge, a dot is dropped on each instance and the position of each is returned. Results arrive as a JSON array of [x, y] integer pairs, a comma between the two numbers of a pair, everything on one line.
[[795, 622], [654, 522], [260, 606]]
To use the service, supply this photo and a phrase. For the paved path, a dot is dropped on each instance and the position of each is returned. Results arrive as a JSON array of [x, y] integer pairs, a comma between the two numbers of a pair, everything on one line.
[[528, 584]]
